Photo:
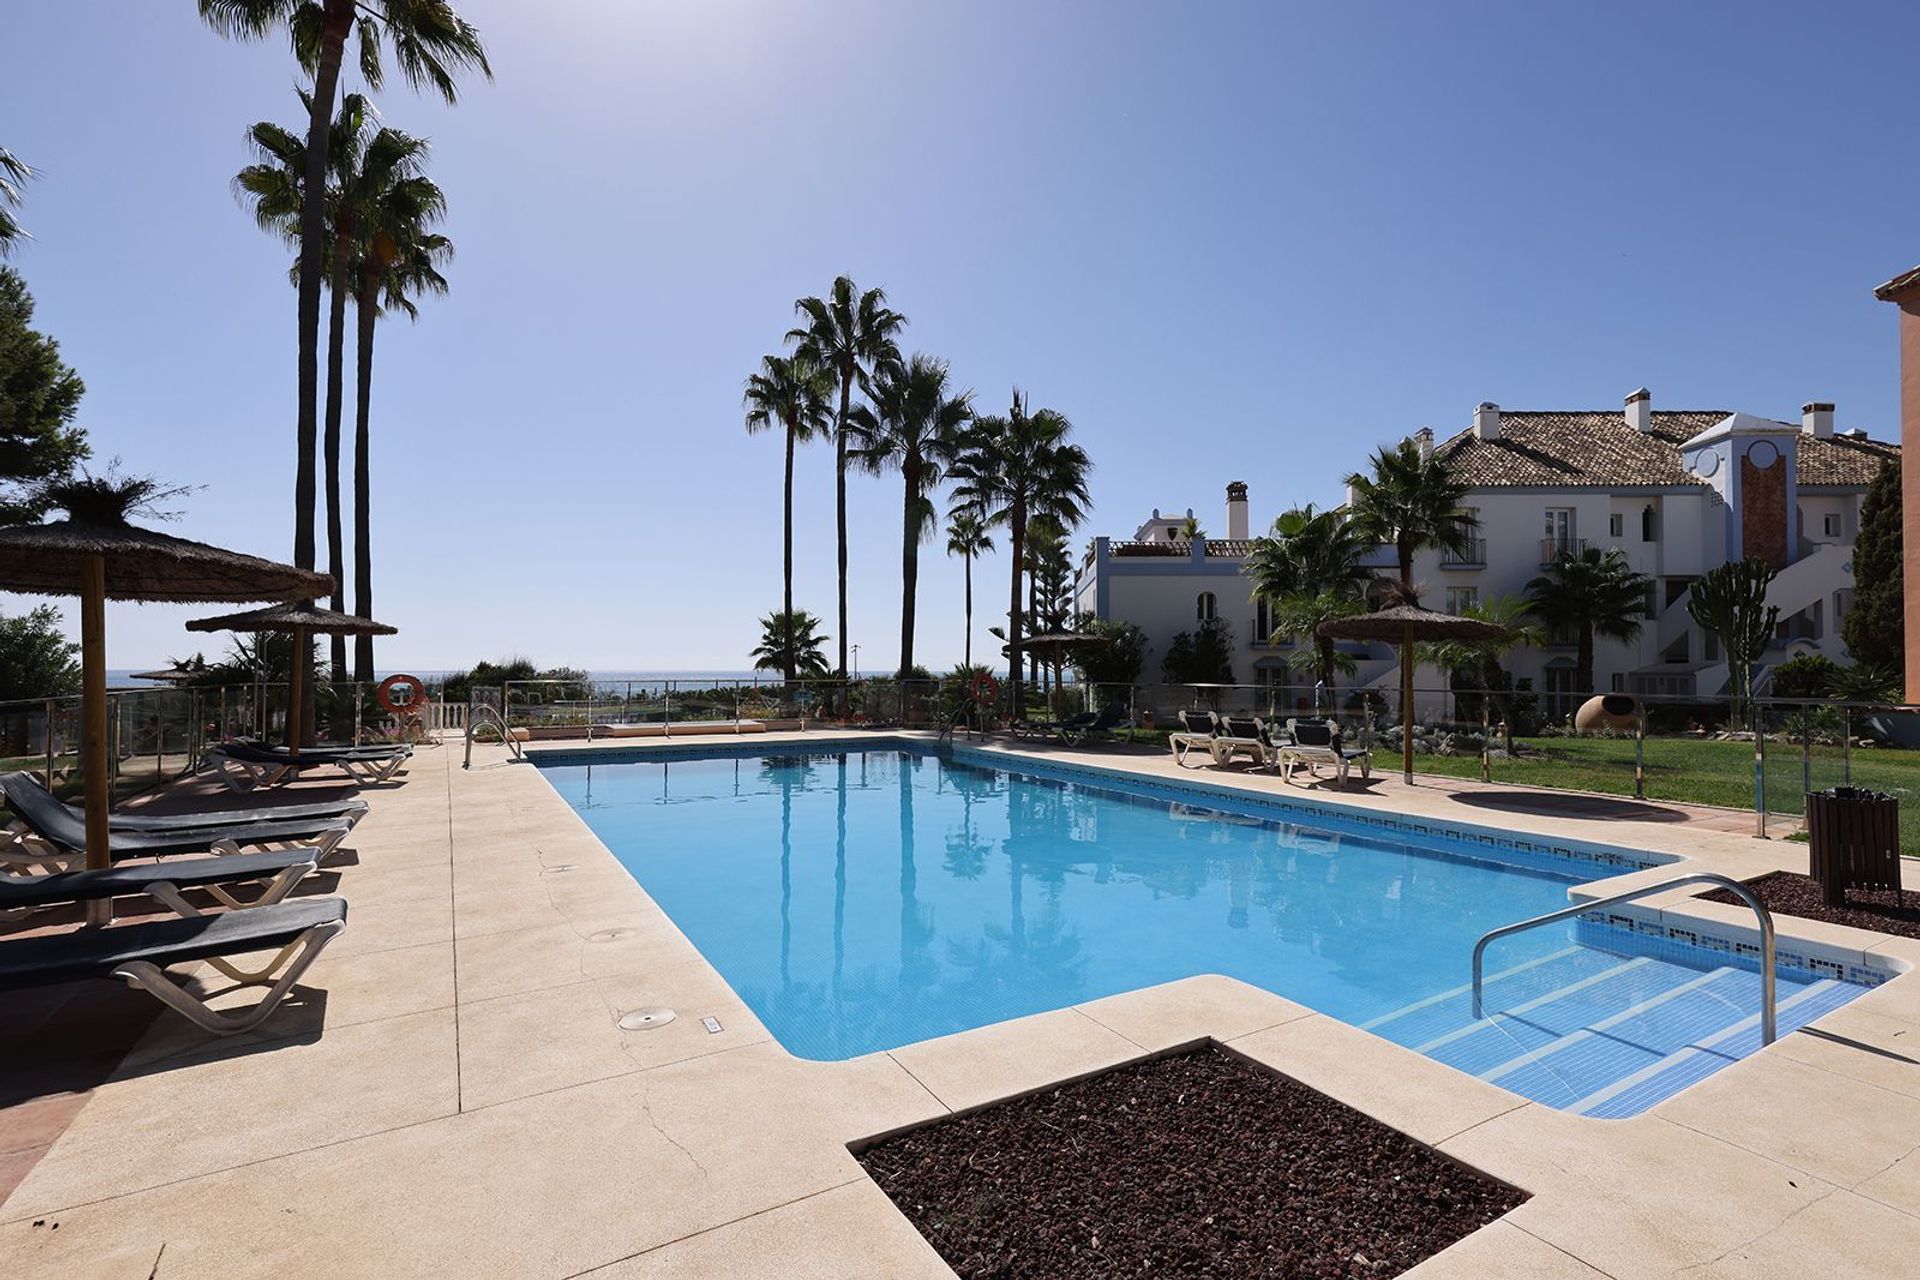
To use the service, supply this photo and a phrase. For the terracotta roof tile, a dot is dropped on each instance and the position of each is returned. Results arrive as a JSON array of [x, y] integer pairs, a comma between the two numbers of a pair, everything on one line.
[[1599, 450]]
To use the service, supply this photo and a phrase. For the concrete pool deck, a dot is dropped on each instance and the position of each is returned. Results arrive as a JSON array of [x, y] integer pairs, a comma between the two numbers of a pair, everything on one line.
[[453, 1094]]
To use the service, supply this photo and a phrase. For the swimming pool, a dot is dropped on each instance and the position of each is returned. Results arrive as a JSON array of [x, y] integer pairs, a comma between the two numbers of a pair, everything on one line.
[[864, 898]]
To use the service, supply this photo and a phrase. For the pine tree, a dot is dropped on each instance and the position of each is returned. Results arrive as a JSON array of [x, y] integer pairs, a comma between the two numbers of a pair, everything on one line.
[[39, 396], [1874, 628]]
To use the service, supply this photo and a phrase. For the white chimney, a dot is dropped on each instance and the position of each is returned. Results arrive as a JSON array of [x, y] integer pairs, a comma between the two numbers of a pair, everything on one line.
[[1237, 509], [1424, 438], [1486, 420], [1640, 411], [1816, 418]]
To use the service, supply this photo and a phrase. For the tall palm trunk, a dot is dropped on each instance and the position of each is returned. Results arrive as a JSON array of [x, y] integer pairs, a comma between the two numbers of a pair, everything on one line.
[[330, 444], [909, 561], [335, 22], [966, 562], [786, 598], [1033, 614], [367, 311], [1016, 533], [840, 502]]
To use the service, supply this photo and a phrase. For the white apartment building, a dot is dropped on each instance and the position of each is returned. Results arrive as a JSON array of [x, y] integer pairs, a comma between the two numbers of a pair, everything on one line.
[[1677, 491]]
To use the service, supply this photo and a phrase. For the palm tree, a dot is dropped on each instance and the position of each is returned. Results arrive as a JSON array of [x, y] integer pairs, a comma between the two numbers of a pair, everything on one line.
[[967, 537], [1016, 469], [14, 175], [1590, 593], [790, 391], [396, 258], [271, 184], [1411, 501], [1307, 568], [790, 642], [915, 427], [431, 42], [1481, 660], [1300, 613], [852, 334]]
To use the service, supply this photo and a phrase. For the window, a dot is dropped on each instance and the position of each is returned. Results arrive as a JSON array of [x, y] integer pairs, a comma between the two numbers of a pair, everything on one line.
[[1262, 620], [1616, 525], [1649, 525], [1204, 608], [1461, 599], [1559, 531], [1830, 525]]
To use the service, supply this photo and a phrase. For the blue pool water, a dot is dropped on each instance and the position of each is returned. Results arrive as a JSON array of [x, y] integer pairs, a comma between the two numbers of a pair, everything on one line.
[[866, 899]]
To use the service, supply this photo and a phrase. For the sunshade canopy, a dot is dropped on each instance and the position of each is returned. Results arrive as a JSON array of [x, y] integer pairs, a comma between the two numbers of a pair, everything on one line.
[[48, 559], [1404, 623], [1392, 624], [292, 617]]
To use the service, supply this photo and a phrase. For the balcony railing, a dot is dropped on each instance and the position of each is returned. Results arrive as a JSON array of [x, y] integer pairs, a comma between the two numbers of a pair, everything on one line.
[[1552, 549], [1472, 556]]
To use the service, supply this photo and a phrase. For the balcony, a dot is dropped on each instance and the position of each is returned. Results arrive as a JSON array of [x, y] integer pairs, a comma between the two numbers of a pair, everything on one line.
[[1472, 556], [1552, 549]]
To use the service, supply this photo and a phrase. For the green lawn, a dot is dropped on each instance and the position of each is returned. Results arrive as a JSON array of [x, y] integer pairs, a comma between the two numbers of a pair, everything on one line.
[[1697, 771]]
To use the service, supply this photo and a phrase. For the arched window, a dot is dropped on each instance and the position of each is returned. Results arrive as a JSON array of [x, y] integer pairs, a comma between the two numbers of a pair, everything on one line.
[[1204, 608]]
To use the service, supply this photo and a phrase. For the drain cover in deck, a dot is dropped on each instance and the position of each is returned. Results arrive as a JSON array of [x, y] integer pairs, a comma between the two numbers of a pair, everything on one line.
[[645, 1019]]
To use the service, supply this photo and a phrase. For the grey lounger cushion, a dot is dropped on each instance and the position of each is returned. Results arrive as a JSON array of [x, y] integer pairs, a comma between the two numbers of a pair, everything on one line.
[[28, 789], [182, 873], [97, 953], [54, 823]]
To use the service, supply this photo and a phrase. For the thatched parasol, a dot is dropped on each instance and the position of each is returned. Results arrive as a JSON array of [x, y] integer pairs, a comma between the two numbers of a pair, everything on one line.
[[299, 620], [97, 555], [1405, 624], [1059, 642]]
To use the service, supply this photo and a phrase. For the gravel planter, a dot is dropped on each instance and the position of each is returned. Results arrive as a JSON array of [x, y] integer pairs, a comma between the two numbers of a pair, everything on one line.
[[1201, 1164], [1789, 893]]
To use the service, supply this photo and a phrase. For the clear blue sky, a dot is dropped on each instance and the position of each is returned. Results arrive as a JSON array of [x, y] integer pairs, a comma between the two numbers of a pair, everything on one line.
[[1229, 241]]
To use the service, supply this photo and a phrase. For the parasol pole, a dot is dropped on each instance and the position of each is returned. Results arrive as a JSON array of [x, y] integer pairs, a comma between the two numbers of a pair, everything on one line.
[[297, 694], [1406, 704], [93, 720]]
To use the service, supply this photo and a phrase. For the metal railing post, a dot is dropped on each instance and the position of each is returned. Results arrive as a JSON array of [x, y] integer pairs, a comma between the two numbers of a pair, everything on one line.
[[52, 712], [358, 691], [1846, 744], [1806, 755], [1759, 773], [1486, 736], [1640, 753], [666, 714]]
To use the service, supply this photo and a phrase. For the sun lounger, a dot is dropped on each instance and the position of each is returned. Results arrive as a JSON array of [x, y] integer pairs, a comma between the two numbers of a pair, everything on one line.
[[1241, 735], [138, 954], [1197, 732], [1102, 724], [163, 881], [27, 786], [1047, 728], [49, 836], [1317, 742], [244, 766]]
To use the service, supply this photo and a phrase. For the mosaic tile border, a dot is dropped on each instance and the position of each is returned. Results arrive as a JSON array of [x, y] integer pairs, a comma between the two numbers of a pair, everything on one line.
[[1698, 945]]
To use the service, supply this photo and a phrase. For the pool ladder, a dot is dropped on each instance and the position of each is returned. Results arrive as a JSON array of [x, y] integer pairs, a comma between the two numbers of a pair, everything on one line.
[[481, 715], [1746, 895]]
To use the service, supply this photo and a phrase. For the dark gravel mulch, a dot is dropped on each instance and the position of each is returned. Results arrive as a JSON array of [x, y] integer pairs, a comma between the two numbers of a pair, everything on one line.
[[1789, 893], [1200, 1164]]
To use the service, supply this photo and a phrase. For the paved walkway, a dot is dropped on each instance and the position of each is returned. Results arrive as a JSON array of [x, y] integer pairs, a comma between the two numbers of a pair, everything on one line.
[[454, 1094]]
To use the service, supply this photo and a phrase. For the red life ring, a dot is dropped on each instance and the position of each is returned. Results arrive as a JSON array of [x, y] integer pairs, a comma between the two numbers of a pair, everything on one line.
[[411, 705], [984, 689]]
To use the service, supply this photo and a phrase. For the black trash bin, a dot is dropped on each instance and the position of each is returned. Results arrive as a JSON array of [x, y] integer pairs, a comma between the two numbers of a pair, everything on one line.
[[1855, 838]]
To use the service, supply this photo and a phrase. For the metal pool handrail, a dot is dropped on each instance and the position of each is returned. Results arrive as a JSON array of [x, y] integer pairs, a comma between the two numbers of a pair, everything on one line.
[[1746, 895]]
